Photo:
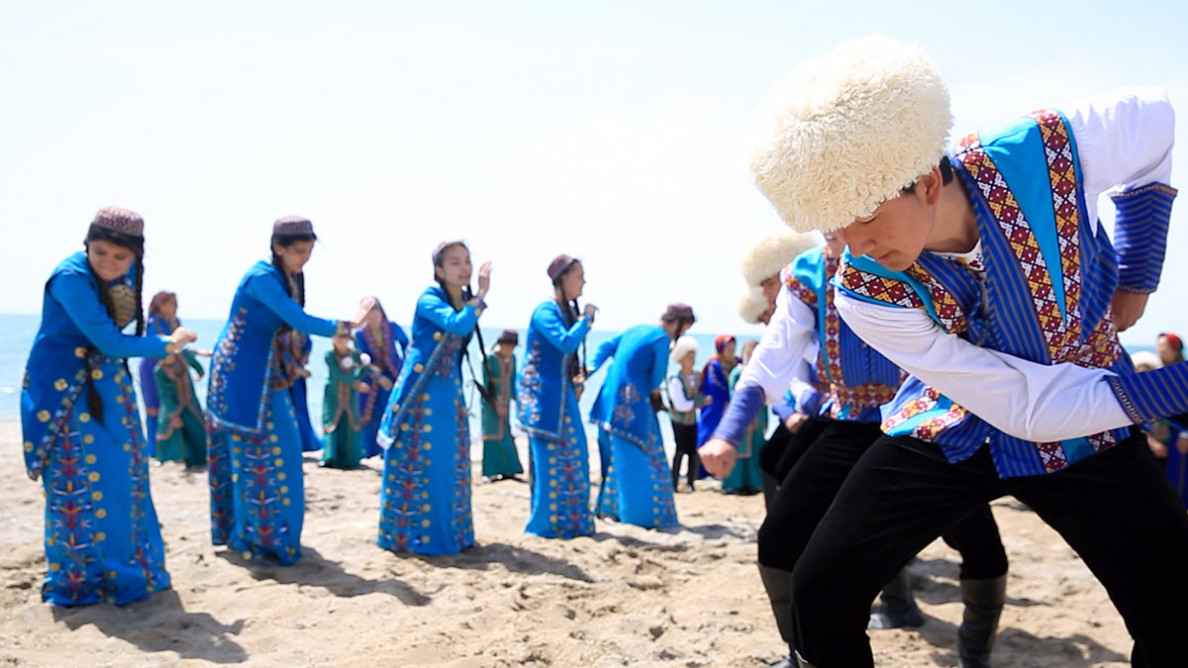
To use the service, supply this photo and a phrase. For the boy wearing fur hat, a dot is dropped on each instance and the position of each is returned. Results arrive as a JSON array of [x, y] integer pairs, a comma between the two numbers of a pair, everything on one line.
[[684, 399], [831, 418], [988, 279]]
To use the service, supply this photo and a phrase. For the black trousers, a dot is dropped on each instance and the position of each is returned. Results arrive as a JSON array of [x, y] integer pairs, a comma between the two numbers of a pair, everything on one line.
[[1117, 510], [809, 487], [685, 436]]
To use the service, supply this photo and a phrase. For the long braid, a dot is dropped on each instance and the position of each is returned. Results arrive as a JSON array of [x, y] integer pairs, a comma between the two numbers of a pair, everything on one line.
[[140, 327]]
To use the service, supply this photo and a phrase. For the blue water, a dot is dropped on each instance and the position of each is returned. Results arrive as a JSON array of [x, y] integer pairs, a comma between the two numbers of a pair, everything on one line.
[[17, 333]]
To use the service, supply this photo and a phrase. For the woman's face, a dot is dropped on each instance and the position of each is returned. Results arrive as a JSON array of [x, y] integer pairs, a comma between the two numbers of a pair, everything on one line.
[[728, 350], [1167, 352], [109, 260], [572, 282], [295, 255], [455, 266], [168, 308]]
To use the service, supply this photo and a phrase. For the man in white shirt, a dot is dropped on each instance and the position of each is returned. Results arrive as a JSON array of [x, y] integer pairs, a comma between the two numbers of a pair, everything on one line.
[[987, 278]]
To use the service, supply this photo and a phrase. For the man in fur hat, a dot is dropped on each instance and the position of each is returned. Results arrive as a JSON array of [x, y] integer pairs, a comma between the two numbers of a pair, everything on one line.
[[984, 273]]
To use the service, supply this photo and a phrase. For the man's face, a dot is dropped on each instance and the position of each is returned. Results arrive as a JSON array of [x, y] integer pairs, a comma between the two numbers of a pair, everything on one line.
[[895, 234]]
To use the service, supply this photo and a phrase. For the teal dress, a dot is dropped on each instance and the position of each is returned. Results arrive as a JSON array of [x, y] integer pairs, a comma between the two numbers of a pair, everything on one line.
[[181, 428], [82, 438], [638, 486], [549, 413], [340, 418], [425, 494], [499, 448]]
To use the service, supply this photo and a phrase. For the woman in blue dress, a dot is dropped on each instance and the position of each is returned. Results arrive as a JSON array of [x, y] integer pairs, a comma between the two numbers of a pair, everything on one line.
[[638, 487], [548, 405], [385, 343], [257, 491], [425, 498], [81, 423], [715, 383]]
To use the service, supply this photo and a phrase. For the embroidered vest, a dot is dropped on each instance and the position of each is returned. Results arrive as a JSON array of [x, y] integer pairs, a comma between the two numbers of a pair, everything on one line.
[[1025, 298], [855, 379]]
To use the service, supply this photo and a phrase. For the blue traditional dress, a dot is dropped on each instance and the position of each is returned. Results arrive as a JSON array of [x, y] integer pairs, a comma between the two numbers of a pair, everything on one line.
[[715, 384], [548, 406], [156, 326], [387, 350], [257, 490], [638, 486], [425, 498], [102, 540], [296, 348]]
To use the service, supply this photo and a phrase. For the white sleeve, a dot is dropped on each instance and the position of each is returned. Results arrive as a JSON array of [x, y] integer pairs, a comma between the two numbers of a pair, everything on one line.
[[676, 395], [787, 342], [1124, 140], [1035, 402]]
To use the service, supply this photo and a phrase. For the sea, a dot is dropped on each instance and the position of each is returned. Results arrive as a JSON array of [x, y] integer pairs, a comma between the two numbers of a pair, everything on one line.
[[18, 331]]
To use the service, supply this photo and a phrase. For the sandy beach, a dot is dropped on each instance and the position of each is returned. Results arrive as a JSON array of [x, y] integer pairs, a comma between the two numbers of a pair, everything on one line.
[[623, 597]]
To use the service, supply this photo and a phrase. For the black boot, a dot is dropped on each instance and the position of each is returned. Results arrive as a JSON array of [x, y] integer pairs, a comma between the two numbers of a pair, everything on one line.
[[898, 609], [983, 605], [801, 663], [778, 584]]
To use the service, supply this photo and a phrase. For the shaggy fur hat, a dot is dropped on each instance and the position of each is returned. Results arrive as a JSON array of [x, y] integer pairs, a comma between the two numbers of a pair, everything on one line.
[[682, 347], [848, 131], [773, 252], [752, 304]]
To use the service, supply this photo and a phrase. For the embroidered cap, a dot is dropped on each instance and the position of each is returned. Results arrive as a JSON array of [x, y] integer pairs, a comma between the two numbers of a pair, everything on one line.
[[290, 225], [121, 220], [559, 264], [678, 311], [849, 130], [159, 299], [509, 336]]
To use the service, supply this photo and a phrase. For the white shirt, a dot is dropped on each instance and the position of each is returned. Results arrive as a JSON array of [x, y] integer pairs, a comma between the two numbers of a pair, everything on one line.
[[786, 351], [1124, 140]]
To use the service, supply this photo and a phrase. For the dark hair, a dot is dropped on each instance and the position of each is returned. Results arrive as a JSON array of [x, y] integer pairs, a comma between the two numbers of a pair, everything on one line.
[[297, 291], [572, 312], [946, 171], [136, 245]]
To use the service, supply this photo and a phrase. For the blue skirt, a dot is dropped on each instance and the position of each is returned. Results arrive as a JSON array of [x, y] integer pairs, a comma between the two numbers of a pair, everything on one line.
[[425, 497], [561, 482], [258, 487], [102, 539], [638, 486]]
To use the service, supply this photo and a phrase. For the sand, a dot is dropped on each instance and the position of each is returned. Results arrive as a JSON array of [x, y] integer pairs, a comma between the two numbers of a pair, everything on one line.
[[623, 597]]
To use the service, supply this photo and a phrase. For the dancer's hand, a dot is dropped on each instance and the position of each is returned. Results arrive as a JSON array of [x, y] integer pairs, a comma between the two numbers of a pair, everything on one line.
[[795, 421], [484, 280], [717, 456], [366, 306], [590, 311], [182, 336], [1127, 308]]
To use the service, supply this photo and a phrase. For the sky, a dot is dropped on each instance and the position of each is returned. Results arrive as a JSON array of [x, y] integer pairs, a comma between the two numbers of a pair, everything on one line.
[[614, 131]]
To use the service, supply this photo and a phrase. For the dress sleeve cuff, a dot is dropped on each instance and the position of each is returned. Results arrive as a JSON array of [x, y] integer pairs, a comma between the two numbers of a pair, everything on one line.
[[1140, 235], [1153, 395]]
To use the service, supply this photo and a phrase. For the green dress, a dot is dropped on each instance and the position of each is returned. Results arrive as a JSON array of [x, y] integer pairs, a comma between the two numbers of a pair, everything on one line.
[[340, 418], [181, 429], [745, 477], [499, 448]]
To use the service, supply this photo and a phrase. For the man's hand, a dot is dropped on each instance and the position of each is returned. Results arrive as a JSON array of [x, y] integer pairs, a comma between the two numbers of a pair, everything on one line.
[[1127, 308], [794, 421], [717, 456]]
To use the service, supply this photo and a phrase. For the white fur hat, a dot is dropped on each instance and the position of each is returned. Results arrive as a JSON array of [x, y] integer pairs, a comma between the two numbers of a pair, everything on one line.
[[682, 347], [848, 131], [1146, 358], [752, 304], [773, 252]]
